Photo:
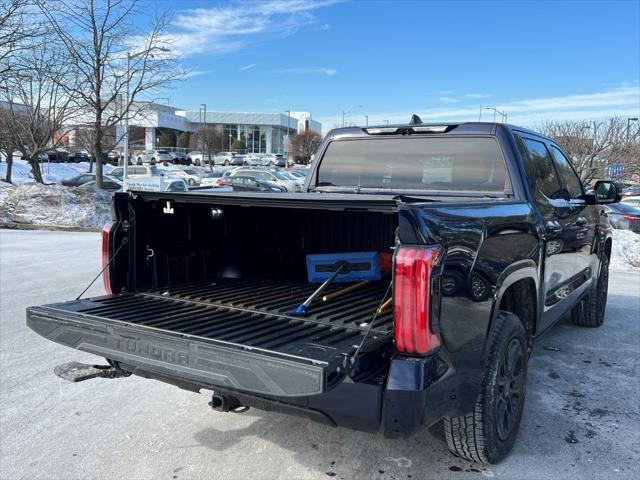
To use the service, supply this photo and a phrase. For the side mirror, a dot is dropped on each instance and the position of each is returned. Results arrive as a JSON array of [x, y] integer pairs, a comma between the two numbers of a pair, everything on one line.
[[607, 192]]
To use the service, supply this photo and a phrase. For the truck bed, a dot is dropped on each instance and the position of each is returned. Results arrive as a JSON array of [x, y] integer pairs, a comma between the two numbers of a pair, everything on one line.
[[214, 325]]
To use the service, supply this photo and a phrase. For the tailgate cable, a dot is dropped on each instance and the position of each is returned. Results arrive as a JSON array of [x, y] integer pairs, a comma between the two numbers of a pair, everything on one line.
[[124, 242], [366, 333]]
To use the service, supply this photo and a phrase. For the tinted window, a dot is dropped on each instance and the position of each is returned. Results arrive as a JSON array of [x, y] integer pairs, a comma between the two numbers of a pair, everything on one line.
[[624, 209], [571, 180], [541, 174], [177, 187], [436, 163]]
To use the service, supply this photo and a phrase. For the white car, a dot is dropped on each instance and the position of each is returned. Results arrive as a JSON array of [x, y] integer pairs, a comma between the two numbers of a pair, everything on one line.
[[135, 170], [197, 156], [154, 156], [188, 175], [213, 178]]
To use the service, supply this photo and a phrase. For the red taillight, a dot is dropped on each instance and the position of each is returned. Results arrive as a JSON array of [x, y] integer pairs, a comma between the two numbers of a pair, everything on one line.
[[221, 183], [629, 218], [106, 256], [412, 297]]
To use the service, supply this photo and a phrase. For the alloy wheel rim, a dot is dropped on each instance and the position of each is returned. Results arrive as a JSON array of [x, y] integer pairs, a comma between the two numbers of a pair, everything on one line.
[[510, 388]]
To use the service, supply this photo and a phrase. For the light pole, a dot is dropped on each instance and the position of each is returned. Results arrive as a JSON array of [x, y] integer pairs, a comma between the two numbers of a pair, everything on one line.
[[288, 131], [495, 110], [126, 116], [629, 120], [203, 120], [344, 112], [387, 122], [366, 120]]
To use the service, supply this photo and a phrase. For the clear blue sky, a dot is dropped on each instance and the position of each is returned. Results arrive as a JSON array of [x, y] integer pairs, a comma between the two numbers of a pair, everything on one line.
[[442, 60]]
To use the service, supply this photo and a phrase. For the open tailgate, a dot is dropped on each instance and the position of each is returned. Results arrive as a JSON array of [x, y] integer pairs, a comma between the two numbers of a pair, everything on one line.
[[248, 346]]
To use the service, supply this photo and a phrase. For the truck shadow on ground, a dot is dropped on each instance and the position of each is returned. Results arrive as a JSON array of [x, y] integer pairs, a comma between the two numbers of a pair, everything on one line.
[[564, 417], [339, 452]]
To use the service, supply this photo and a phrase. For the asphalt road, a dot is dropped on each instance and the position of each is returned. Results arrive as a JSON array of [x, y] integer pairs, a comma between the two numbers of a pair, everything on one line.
[[582, 417]]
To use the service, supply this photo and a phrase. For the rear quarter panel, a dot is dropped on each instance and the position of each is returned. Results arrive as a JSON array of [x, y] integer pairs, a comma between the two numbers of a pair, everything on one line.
[[486, 246]]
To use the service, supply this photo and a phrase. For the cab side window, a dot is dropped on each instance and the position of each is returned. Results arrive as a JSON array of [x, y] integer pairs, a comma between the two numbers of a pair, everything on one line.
[[542, 176], [571, 180]]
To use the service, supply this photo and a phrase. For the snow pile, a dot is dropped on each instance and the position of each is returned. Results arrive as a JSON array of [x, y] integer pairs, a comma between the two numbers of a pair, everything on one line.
[[51, 172], [625, 252], [38, 204]]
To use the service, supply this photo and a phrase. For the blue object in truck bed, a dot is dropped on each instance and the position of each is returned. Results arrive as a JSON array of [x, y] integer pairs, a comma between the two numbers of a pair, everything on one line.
[[360, 266]]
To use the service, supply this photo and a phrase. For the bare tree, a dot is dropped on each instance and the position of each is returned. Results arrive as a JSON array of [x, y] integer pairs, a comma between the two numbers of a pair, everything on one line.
[[15, 29], [102, 41], [36, 105], [593, 146], [207, 140], [304, 145], [9, 141], [85, 139]]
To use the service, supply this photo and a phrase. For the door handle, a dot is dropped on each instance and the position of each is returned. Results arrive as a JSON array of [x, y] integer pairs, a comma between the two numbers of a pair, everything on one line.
[[553, 226], [581, 221]]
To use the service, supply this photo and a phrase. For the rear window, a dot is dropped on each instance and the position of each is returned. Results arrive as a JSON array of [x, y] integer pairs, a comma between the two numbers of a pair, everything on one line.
[[435, 163]]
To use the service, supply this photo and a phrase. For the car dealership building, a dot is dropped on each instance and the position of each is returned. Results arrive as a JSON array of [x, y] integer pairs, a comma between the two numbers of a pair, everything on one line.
[[260, 132]]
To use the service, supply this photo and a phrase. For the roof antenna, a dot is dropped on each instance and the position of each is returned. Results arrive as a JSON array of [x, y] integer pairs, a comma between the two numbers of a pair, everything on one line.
[[415, 120]]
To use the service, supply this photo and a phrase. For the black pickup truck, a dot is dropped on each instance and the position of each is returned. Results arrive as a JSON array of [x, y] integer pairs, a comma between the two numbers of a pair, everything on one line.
[[485, 237]]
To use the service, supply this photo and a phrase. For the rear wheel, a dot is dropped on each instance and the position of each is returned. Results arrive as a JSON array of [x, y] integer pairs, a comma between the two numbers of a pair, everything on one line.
[[191, 182], [590, 311], [488, 433]]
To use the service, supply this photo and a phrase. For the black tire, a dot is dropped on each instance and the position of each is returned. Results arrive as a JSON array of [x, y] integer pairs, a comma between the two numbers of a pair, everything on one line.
[[191, 182], [227, 163], [487, 433], [590, 311]]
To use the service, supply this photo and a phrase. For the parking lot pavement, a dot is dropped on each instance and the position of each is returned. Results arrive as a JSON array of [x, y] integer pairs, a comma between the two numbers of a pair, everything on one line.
[[581, 419]]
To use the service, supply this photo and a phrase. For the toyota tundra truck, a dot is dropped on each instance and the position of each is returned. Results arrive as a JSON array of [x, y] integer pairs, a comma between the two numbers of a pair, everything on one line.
[[485, 237]]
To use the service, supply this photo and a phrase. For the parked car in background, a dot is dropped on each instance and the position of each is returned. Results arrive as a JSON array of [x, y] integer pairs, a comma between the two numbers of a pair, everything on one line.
[[631, 190], [201, 159], [623, 216], [108, 183], [78, 157], [252, 159], [188, 175], [113, 157], [229, 158], [267, 175], [213, 178], [135, 170], [283, 162], [180, 158], [155, 156], [634, 201], [57, 156], [270, 159], [250, 183], [78, 180]]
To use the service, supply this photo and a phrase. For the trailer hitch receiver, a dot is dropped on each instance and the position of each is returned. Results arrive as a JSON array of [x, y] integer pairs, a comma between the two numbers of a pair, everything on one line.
[[225, 403]]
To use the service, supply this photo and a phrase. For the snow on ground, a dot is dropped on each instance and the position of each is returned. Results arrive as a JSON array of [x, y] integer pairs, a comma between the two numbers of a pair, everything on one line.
[[625, 252], [38, 204], [51, 172]]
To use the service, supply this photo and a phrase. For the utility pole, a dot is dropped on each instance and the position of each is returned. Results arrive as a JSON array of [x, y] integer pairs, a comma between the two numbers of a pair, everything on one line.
[[629, 120], [366, 117]]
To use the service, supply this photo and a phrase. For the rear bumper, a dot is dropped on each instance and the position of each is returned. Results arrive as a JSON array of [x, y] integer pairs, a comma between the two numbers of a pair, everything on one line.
[[416, 392], [175, 355]]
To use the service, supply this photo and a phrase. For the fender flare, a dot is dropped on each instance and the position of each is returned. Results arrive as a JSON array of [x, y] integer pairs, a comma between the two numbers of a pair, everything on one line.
[[520, 270]]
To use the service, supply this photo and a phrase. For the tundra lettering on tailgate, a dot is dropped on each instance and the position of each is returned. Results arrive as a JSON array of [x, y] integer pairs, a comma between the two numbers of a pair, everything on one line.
[[152, 351]]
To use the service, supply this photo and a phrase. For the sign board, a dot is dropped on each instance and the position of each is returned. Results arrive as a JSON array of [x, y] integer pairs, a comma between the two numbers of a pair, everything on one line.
[[616, 170]]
